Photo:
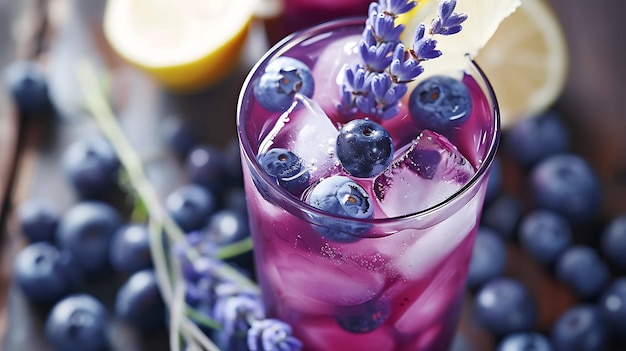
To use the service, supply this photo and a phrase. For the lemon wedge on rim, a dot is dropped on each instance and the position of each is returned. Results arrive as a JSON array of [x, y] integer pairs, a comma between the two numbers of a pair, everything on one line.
[[183, 44], [518, 43]]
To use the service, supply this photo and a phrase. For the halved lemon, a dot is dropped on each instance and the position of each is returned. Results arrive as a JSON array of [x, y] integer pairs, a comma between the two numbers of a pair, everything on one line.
[[183, 44], [518, 43]]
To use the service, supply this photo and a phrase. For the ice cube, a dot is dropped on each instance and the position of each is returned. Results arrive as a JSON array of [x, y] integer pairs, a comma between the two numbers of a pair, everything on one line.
[[424, 174], [306, 130], [322, 281], [328, 72]]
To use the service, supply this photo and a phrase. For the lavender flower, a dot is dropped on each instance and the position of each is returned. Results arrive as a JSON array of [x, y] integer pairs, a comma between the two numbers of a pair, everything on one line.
[[272, 335], [384, 28], [447, 22], [396, 7], [386, 95], [404, 67], [424, 48], [234, 309], [376, 57]]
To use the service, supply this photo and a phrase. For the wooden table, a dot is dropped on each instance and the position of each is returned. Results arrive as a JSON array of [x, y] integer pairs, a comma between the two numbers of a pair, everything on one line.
[[592, 105]]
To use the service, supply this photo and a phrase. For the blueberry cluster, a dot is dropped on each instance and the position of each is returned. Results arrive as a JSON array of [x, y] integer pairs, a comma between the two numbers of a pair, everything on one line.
[[549, 215], [73, 250]]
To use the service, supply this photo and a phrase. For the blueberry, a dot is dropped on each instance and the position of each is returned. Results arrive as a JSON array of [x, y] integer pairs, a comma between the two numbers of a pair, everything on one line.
[[91, 166], [567, 184], [363, 318], [580, 268], [545, 235], [364, 148], [530, 140], [581, 328], [613, 307], [488, 258], [178, 134], [139, 302], [524, 341], [613, 241], [281, 80], [78, 322], [38, 219], [286, 167], [227, 226], [503, 214], [343, 197], [86, 230], [45, 274], [190, 206], [205, 166], [28, 86], [505, 306], [130, 248], [440, 103]]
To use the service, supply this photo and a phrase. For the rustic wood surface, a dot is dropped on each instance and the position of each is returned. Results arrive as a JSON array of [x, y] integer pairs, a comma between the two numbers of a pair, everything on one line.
[[592, 105]]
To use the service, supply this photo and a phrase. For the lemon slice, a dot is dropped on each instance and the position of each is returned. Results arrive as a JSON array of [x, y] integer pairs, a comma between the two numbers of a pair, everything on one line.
[[519, 45], [183, 44], [526, 61]]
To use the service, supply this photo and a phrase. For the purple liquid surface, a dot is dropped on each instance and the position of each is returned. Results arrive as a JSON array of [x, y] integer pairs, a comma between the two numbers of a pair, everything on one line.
[[399, 290]]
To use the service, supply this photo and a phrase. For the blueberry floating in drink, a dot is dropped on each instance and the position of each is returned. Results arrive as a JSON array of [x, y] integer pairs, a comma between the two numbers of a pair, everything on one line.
[[282, 79], [364, 148], [440, 103], [344, 197], [286, 168]]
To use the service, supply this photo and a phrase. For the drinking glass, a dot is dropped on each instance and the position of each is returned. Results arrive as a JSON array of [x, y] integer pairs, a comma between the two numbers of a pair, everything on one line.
[[399, 285]]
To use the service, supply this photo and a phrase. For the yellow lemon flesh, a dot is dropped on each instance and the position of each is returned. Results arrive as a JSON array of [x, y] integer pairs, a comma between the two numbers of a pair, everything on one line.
[[526, 61], [518, 43], [183, 44]]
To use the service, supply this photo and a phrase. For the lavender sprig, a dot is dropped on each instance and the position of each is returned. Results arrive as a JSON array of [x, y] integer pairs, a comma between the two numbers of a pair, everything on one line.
[[272, 335], [376, 86], [447, 22]]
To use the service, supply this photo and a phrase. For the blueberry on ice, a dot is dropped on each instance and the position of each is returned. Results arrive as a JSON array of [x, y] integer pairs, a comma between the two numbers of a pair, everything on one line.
[[281, 80], [440, 103], [286, 167], [341, 196], [364, 148]]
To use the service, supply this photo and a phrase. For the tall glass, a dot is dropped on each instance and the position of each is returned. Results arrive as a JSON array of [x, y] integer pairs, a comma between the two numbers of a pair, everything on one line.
[[399, 285]]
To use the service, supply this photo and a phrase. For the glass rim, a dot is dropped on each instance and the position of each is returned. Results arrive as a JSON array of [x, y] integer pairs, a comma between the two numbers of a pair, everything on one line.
[[295, 205]]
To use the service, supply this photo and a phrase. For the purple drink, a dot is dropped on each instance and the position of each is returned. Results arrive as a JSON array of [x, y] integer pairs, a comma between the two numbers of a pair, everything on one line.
[[299, 14], [391, 281]]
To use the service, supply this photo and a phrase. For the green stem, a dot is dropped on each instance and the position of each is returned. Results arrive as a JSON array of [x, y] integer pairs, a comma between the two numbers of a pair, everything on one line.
[[99, 107]]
